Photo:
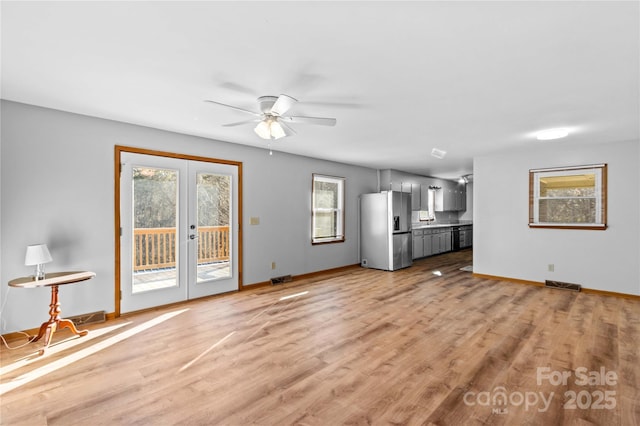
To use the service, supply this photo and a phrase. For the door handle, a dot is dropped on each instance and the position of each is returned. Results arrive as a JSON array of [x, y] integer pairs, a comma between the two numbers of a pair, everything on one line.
[[193, 236]]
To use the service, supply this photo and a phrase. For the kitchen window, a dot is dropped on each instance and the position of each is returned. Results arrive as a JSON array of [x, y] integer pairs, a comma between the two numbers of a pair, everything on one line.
[[327, 201], [568, 197]]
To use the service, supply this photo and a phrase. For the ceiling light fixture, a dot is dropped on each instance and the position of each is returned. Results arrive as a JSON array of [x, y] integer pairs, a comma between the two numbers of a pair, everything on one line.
[[464, 178], [270, 128], [550, 134], [277, 131], [263, 130], [438, 153]]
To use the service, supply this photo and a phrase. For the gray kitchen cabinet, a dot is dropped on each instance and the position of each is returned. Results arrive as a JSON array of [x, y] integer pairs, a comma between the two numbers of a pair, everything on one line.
[[416, 197], [440, 240], [427, 245], [435, 244], [454, 196], [466, 236], [448, 196], [424, 197], [445, 241], [461, 197], [431, 241], [418, 243]]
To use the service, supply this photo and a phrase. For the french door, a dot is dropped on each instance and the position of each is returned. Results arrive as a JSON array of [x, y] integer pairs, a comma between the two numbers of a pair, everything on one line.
[[179, 230]]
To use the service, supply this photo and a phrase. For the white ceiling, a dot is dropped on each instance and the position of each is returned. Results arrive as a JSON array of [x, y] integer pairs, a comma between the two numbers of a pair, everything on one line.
[[470, 78]]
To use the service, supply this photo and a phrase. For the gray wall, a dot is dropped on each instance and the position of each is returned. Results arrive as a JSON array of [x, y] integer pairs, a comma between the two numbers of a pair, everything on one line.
[[505, 246], [57, 188]]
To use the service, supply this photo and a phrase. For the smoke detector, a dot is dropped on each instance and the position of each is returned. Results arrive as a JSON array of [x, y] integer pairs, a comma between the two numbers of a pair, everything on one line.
[[438, 153]]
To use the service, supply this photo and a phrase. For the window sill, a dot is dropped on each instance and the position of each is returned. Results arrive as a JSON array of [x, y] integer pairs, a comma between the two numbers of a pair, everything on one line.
[[329, 240], [590, 226]]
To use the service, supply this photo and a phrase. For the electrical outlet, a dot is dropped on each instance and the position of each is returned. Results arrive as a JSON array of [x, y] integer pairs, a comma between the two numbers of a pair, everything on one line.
[[551, 267], [273, 265]]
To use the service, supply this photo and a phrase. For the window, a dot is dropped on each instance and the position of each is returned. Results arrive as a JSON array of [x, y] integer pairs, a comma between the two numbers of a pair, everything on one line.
[[327, 201], [570, 197]]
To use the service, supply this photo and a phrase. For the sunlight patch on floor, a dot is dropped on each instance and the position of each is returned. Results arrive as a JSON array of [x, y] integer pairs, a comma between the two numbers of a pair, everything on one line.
[[54, 348], [83, 353], [291, 296], [193, 361]]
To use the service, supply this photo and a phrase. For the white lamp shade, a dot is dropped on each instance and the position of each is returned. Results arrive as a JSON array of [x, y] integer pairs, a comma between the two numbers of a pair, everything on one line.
[[37, 254], [263, 130], [277, 131]]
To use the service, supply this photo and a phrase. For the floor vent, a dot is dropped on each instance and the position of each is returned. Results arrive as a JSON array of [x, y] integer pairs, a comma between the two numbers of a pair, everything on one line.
[[282, 279], [562, 286], [88, 318]]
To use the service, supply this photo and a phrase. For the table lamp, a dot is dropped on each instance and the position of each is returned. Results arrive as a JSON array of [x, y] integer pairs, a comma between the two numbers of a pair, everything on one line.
[[37, 254]]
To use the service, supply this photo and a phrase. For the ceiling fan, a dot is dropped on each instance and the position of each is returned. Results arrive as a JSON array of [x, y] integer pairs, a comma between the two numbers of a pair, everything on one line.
[[272, 123]]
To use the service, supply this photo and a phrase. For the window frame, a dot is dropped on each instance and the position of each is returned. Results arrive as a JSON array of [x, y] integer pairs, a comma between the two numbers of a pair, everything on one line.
[[600, 171], [340, 210]]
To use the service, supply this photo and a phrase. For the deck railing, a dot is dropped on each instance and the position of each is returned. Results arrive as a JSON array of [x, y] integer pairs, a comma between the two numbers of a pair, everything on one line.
[[155, 248]]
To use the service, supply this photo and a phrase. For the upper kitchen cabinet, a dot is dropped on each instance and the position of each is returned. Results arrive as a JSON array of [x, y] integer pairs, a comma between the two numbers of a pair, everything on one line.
[[457, 196], [446, 195], [419, 196], [461, 195], [416, 197], [451, 196], [424, 197]]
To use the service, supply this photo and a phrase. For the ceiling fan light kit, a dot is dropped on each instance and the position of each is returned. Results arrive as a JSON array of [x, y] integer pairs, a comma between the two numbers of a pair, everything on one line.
[[263, 129], [271, 118], [277, 131], [269, 128]]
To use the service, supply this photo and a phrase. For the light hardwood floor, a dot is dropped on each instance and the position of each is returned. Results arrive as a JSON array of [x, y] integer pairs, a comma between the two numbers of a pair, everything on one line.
[[357, 347]]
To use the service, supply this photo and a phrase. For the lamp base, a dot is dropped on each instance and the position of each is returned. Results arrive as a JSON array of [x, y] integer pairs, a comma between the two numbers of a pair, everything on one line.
[[39, 272]]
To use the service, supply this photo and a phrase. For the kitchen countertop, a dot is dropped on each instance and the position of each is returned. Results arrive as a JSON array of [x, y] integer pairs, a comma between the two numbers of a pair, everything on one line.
[[439, 225]]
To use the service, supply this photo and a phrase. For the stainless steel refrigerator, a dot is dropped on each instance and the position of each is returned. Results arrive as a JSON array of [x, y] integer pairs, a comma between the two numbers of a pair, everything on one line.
[[385, 230]]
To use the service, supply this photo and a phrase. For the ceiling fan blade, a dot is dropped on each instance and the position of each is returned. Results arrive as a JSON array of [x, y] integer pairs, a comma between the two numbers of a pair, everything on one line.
[[240, 123], [234, 107], [282, 104], [323, 121]]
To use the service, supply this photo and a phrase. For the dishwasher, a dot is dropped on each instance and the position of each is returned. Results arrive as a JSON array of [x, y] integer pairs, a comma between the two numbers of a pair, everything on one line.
[[455, 238]]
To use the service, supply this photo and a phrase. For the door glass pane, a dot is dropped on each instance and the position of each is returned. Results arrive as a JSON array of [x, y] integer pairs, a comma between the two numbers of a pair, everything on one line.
[[155, 195], [214, 218]]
